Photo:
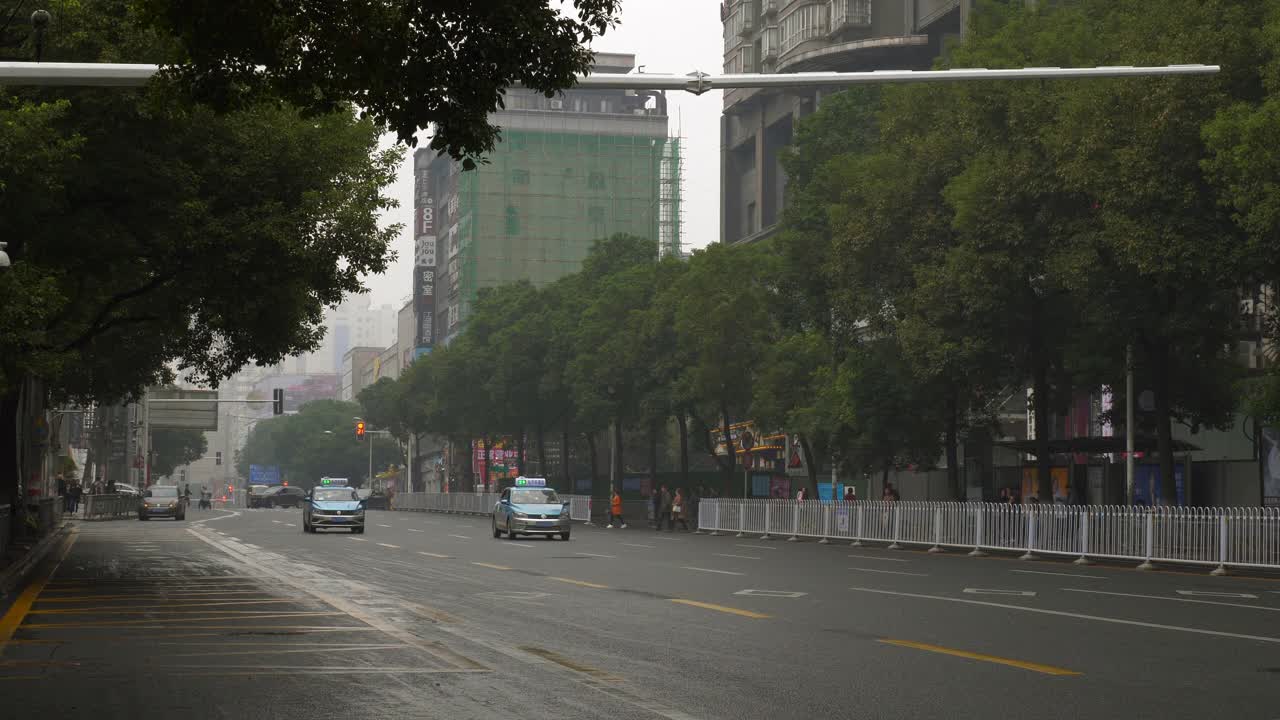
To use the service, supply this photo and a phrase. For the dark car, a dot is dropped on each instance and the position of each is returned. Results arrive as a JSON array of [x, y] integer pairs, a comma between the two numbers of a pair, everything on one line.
[[162, 501], [283, 496]]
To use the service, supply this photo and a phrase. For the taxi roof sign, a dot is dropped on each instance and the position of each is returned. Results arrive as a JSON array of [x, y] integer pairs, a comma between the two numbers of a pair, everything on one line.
[[530, 482], [340, 482]]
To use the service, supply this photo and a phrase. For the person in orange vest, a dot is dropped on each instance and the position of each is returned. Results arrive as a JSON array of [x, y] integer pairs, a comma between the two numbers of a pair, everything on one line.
[[615, 510]]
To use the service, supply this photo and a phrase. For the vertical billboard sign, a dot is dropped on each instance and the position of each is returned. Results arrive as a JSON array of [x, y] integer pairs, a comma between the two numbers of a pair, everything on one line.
[[424, 270]]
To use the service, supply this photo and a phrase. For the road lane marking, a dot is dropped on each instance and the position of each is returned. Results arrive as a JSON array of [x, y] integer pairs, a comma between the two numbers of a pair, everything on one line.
[[1172, 599], [381, 525], [416, 530], [356, 539], [464, 537], [570, 664], [668, 539], [887, 572], [290, 525], [278, 522], [1198, 593], [744, 557], [255, 547], [491, 566], [721, 572], [389, 545], [881, 559], [1041, 572], [1033, 667], [583, 583], [434, 555], [771, 593], [22, 605], [758, 547], [595, 555], [518, 545], [1077, 616], [720, 608], [640, 546], [990, 591]]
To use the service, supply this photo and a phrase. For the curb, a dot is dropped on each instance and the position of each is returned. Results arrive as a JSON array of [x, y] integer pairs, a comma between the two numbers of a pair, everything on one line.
[[16, 574]]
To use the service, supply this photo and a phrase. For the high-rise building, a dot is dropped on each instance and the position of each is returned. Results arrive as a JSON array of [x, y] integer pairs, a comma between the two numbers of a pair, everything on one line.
[[782, 36], [569, 170]]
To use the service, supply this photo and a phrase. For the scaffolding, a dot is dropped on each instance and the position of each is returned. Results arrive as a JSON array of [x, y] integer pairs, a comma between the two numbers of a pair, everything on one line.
[[545, 196]]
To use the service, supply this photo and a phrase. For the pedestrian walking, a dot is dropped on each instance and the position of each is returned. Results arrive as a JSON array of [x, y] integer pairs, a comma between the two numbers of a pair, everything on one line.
[[615, 510], [890, 493], [664, 515], [850, 495], [802, 494], [680, 511]]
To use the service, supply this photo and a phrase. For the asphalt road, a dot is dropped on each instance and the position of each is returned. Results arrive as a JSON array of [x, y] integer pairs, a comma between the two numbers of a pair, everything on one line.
[[242, 615]]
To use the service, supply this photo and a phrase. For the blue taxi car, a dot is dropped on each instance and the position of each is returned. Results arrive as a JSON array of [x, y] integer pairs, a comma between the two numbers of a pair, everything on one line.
[[530, 508], [333, 507]]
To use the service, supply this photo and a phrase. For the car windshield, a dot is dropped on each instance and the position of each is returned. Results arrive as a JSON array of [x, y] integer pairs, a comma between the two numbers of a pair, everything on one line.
[[257, 488], [334, 495], [530, 496], [164, 492]]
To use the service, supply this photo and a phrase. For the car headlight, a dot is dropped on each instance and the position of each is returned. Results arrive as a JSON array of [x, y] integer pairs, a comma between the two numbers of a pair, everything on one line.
[[173, 503], [522, 516]]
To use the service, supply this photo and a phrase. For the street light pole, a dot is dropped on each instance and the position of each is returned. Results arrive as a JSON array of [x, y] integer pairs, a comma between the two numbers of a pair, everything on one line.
[[1128, 424]]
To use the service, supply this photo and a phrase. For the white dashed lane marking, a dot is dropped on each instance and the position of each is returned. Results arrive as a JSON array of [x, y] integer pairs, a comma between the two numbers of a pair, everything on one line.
[[388, 545], [882, 559], [743, 557], [640, 546], [719, 572], [464, 537], [595, 555], [888, 572]]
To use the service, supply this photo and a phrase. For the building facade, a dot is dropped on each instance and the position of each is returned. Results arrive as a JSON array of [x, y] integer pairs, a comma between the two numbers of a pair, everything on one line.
[[354, 377], [569, 170], [783, 36]]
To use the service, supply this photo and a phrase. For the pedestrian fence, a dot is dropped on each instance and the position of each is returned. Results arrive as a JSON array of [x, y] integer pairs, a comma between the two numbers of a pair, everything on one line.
[[1218, 537], [478, 503], [109, 507]]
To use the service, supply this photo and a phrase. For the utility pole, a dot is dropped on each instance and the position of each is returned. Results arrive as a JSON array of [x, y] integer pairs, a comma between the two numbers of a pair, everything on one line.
[[1128, 424]]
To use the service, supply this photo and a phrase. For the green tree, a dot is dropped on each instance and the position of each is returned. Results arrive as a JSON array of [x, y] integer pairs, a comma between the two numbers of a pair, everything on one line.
[[382, 406], [172, 447], [319, 441], [409, 64]]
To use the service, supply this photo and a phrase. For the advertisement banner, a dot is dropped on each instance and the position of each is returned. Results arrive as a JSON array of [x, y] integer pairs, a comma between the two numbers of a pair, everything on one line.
[[780, 488], [1146, 485], [1061, 483], [424, 294], [795, 458], [760, 485], [1270, 466]]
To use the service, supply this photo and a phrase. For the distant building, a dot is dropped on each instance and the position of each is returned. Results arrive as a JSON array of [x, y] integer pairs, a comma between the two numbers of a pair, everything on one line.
[[354, 377], [570, 170], [782, 36]]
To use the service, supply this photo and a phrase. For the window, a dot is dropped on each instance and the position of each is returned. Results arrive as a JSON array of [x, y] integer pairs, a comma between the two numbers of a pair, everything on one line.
[[520, 177], [595, 213], [513, 221], [217, 458], [595, 181]]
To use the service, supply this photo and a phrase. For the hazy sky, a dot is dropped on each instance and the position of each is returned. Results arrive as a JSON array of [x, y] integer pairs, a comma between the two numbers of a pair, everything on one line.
[[667, 36]]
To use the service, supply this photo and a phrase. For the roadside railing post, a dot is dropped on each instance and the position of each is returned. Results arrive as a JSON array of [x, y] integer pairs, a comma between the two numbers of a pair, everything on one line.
[[897, 527], [742, 519], [937, 531], [1150, 542], [1222, 545], [826, 522], [1084, 539], [1031, 534], [795, 523], [977, 532], [768, 512], [857, 535]]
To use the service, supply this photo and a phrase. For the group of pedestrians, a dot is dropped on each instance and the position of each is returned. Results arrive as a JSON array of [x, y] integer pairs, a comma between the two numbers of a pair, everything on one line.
[[70, 492], [665, 508]]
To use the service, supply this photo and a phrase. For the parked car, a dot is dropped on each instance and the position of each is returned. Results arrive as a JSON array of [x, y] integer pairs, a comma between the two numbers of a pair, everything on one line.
[[162, 501], [253, 498], [283, 496], [127, 489]]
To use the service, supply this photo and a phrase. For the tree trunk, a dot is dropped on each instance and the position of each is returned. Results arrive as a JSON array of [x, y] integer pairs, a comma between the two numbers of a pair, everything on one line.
[[654, 427], [542, 451], [564, 456], [591, 449], [952, 440], [683, 423], [468, 466], [811, 467], [729, 449], [9, 472], [884, 476], [1164, 427], [618, 464], [485, 469]]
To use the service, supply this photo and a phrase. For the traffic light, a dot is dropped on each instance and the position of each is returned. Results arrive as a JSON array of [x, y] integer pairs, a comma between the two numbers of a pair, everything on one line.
[[360, 429], [277, 401]]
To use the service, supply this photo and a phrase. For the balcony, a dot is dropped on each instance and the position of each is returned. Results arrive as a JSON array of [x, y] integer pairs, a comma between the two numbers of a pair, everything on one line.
[[850, 14], [748, 21], [804, 34], [769, 43], [769, 7]]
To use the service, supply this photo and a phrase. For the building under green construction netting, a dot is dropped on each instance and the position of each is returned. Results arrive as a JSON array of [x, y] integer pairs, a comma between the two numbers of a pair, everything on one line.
[[569, 171]]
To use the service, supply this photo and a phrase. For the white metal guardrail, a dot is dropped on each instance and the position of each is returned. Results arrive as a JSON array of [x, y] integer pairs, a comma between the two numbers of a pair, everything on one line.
[[478, 503], [110, 507], [1218, 537]]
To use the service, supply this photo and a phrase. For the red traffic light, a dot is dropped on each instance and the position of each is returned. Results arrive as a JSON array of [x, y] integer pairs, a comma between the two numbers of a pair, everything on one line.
[[360, 429]]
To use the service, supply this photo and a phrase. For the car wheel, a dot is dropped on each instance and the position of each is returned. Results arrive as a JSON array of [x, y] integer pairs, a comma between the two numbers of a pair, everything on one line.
[[496, 532], [564, 536]]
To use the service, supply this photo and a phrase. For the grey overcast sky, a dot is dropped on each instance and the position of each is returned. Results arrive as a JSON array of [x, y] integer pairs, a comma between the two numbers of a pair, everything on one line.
[[666, 36]]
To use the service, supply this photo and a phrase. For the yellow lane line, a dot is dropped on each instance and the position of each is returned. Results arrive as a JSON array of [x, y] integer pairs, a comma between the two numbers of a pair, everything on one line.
[[21, 606], [583, 583], [494, 567], [720, 608], [1033, 667]]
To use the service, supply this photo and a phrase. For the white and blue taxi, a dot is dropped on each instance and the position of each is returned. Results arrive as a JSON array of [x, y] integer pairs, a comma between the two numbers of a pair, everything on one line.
[[333, 507], [530, 508]]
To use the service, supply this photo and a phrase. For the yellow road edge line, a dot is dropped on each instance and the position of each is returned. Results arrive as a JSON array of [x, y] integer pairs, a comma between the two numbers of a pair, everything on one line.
[[22, 605], [583, 583], [1022, 664], [494, 567], [721, 608]]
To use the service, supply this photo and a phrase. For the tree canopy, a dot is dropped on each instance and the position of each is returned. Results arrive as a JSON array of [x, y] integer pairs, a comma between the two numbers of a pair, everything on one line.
[[319, 441]]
